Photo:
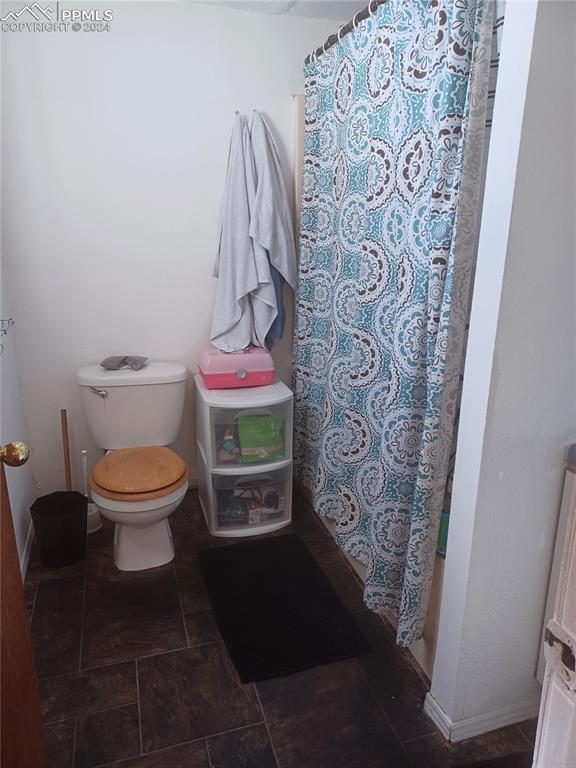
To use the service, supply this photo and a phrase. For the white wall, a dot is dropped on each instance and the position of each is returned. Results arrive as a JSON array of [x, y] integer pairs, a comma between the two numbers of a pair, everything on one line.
[[115, 147], [21, 486], [518, 406], [20, 480]]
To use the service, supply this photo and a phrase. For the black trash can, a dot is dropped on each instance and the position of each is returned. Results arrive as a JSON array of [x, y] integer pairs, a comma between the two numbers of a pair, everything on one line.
[[60, 525]]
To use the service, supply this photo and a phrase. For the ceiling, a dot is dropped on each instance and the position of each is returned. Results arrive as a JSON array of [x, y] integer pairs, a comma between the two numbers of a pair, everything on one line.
[[338, 10]]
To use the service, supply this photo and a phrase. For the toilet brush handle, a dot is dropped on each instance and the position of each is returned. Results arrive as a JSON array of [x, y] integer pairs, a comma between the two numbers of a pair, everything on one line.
[[85, 472], [66, 447]]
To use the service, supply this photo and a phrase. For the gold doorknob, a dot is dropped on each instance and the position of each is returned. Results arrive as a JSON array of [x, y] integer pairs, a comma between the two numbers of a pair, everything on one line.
[[14, 454]]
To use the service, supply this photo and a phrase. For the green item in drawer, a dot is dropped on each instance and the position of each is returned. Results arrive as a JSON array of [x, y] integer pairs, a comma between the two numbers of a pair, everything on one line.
[[260, 438]]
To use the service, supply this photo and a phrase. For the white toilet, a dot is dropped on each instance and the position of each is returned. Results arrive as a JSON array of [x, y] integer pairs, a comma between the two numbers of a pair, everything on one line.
[[139, 482]]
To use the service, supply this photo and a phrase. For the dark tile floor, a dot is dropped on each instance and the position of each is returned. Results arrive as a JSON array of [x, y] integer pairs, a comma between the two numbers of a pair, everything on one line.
[[133, 674]]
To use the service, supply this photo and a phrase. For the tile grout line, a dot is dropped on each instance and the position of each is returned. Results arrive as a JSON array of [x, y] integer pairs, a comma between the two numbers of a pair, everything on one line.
[[407, 655], [80, 715], [182, 615], [202, 645], [177, 650], [85, 670], [33, 603], [152, 655], [265, 721], [233, 730], [325, 533], [83, 611], [123, 760], [179, 744], [91, 712], [412, 739], [139, 707], [207, 748], [74, 742], [142, 656], [524, 736], [383, 711]]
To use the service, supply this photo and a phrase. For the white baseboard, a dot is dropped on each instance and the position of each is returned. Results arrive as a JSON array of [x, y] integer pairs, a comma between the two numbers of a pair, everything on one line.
[[437, 715], [460, 730], [24, 560]]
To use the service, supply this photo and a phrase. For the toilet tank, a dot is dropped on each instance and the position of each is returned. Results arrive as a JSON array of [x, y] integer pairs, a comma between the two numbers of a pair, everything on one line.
[[129, 409]]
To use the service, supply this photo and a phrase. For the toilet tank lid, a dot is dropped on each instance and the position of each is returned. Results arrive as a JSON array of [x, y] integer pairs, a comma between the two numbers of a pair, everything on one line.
[[152, 373]]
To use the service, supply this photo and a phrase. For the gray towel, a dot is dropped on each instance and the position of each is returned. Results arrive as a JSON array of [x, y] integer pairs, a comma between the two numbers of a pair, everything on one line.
[[277, 327], [116, 362], [271, 224], [245, 305]]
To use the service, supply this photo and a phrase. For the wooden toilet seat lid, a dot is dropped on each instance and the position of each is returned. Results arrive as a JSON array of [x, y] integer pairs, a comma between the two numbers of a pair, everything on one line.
[[148, 495], [139, 470]]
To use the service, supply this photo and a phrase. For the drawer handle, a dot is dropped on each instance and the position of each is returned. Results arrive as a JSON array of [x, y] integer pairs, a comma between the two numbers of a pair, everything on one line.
[[253, 412], [249, 482]]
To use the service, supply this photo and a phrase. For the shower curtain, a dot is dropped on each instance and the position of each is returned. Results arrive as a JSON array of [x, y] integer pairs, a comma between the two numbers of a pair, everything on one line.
[[394, 142]]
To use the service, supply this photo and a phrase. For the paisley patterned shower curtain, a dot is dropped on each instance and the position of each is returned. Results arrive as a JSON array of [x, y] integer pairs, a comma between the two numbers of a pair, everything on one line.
[[391, 187]]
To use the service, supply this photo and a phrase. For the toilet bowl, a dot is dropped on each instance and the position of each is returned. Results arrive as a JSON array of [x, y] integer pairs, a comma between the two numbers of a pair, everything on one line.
[[139, 482], [138, 489]]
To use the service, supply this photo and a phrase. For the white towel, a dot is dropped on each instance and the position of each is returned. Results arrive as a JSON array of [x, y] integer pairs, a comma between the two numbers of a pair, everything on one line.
[[271, 222], [245, 305]]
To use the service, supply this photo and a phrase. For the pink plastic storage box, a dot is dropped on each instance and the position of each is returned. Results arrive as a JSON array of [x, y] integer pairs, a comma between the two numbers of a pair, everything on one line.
[[252, 367]]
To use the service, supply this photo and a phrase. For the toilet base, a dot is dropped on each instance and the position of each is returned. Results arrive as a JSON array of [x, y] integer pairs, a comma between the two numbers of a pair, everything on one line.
[[137, 548]]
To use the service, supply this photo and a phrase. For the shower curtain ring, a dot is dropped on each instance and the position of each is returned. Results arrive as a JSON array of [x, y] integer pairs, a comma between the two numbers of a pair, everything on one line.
[[354, 20], [339, 33]]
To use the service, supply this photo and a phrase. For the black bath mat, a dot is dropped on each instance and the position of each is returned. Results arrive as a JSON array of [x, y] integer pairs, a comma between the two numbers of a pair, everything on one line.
[[276, 610]]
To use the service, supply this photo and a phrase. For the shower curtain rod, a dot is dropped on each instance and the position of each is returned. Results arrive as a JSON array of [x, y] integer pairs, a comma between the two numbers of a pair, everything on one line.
[[333, 39]]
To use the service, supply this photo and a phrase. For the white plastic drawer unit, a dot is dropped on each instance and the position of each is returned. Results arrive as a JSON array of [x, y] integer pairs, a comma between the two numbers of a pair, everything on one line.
[[245, 505], [240, 428], [244, 440]]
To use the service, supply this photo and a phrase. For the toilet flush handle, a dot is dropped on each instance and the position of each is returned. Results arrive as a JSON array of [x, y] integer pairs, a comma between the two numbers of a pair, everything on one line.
[[99, 392]]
